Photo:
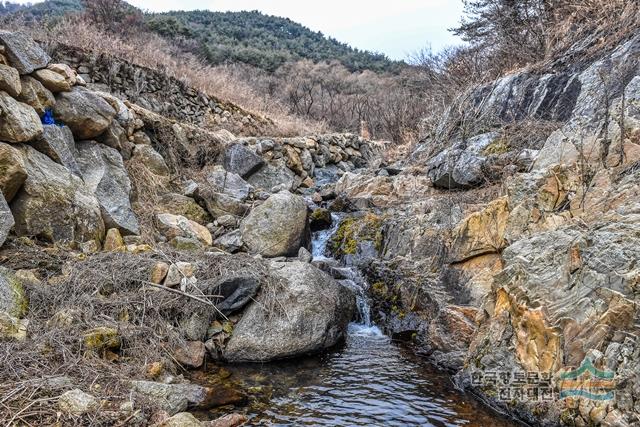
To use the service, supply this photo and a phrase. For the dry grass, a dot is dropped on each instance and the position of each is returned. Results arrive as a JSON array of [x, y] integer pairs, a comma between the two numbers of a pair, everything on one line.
[[107, 289]]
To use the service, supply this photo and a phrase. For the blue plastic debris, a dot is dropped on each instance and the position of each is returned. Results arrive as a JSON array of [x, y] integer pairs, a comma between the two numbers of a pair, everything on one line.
[[48, 119]]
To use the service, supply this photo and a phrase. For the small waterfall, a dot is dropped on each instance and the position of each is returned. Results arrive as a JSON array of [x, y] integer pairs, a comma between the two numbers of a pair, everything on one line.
[[346, 276]]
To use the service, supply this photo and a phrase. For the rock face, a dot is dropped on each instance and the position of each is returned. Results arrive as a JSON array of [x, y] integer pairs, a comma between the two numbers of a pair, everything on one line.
[[241, 160], [54, 204], [20, 122], [315, 312], [57, 143], [6, 220], [278, 227], [86, 113], [12, 171], [23, 53], [104, 174]]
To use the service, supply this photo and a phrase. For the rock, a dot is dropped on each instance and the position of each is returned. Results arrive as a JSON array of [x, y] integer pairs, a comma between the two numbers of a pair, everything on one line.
[[36, 95], [69, 74], [141, 138], [20, 122], [175, 225], [77, 402], [13, 299], [113, 241], [320, 219], [304, 255], [230, 420], [481, 233], [191, 354], [278, 227], [313, 316], [57, 143], [456, 168], [187, 207], [53, 81], [173, 398], [177, 272], [105, 175], [23, 53], [12, 171], [151, 159], [185, 244], [236, 291], [224, 193], [241, 160], [116, 137], [271, 175], [159, 272], [102, 338], [183, 419], [10, 80], [227, 221], [54, 204], [85, 112], [230, 242], [89, 247], [6, 220]]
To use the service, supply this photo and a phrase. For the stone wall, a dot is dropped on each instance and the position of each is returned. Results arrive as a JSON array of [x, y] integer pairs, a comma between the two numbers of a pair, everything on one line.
[[159, 92]]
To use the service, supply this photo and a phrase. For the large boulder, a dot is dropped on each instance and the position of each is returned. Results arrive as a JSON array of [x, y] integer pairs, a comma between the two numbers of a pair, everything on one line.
[[273, 175], [52, 80], [10, 80], [35, 94], [241, 160], [57, 143], [104, 173], [224, 193], [310, 313], [12, 171], [6, 220], [456, 169], [23, 53], [54, 204], [278, 227], [85, 112], [18, 122]]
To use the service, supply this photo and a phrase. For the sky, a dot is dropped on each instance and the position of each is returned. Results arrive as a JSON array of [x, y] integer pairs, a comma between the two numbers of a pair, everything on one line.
[[397, 28]]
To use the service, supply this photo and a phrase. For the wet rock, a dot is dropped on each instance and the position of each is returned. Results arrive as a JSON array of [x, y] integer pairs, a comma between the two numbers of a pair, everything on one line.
[[236, 293], [191, 354], [320, 219], [230, 242], [54, 204], [315, 313], [12, 171], [6, 220], [20, 122], [10, 80], [278, 227], [104, 173], [36, 95], [77, 402], [231, 420], [57, 143], [23, 53], [151, 159], [85, 112], [187, 207], [241, 160], [178, 226]]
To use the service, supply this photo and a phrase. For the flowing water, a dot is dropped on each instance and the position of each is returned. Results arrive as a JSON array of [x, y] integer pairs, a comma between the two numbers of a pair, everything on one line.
[[370, 381]]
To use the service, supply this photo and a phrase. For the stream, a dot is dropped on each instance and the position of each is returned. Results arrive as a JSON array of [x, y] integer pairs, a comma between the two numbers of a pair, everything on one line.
[[370, 381]]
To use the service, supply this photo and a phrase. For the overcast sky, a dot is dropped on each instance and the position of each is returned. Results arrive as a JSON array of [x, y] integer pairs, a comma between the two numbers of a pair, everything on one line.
[[394, 27]]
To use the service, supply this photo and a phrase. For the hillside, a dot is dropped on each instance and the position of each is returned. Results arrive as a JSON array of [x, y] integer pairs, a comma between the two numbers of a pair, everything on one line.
[[266, 42]]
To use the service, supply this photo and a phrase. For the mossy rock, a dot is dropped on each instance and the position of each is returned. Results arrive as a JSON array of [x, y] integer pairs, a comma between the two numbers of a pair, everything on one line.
[[13, 298], [102, 338], [355, 230], [498, 146], [320, 219]]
